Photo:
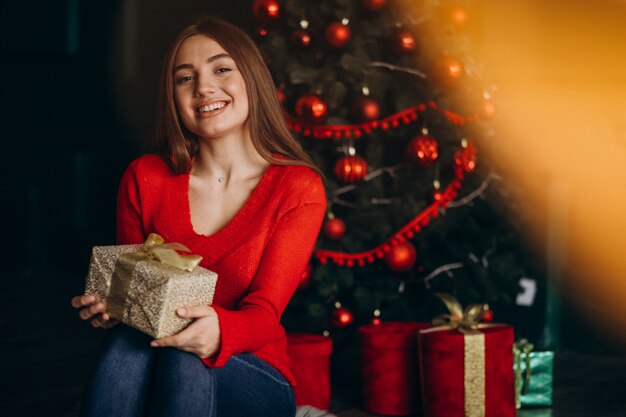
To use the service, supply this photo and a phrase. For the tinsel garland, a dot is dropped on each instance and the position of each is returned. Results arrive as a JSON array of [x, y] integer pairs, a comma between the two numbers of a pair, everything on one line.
[[405, 117], [406, 232]]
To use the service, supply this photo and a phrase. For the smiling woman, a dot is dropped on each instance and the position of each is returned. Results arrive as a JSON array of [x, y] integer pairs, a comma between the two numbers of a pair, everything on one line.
[[230, 183]]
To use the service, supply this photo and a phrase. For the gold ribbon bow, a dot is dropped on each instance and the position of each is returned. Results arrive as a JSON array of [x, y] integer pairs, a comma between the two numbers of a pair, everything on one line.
[[467, 321], [156, 249], [521, 386]]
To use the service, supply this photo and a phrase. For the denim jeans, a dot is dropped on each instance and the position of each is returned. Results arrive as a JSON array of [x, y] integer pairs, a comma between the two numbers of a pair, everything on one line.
[[131, 378]]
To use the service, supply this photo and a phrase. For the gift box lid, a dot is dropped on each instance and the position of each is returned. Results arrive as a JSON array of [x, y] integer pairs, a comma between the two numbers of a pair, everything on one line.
[[308, 345], [499, 335], [391, 334]]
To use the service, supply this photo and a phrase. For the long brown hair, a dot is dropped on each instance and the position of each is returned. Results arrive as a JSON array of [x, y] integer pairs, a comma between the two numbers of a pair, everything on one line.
[[268, 129]]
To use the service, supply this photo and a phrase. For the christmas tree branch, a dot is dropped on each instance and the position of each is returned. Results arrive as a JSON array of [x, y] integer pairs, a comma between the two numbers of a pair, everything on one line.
[[392, 67], [477, 192], [443, 268], [389, 170]]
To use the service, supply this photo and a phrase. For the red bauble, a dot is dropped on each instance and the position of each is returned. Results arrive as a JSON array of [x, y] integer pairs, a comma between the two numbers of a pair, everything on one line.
[[373, 5], [489, 109], [487, 316], [334, 228], [437, 195], [466, 157], [341, 317], [402, 41], [301, 39], [401, 257], [266, 10], [306, 277], [365, 109], [351, 168], [311, 109], [338, 34], [423, 150], [280, 95], [449, 71]]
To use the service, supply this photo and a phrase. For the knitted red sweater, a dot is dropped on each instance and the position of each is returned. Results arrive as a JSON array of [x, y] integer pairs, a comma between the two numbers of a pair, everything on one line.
[[259, 256]]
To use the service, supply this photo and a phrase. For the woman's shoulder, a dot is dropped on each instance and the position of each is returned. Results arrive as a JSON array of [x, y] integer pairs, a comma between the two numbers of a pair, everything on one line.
[[301, 181], [148, 166]]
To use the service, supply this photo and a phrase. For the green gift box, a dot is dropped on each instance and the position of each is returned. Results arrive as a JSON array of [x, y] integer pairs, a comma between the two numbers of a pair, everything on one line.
[[533, 376]]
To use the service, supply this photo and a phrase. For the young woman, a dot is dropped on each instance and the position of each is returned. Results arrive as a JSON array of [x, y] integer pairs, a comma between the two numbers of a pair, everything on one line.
[[231, 183]]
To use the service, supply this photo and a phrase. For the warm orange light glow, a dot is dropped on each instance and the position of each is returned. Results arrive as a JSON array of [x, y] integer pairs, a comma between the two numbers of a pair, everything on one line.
[[560, 68], [459, 16]]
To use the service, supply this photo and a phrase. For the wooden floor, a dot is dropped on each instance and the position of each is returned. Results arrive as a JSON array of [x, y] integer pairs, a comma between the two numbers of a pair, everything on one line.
[[46, 353]]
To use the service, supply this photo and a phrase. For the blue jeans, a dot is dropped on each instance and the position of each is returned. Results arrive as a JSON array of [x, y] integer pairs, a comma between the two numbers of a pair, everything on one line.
[[133, 379]]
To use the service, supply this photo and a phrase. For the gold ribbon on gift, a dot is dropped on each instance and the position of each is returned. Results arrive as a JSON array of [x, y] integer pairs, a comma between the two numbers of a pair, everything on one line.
[[154, 248], [522, 384], [467, 321]]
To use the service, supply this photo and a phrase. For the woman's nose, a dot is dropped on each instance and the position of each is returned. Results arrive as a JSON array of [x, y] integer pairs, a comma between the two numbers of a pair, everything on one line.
[[205, 86]]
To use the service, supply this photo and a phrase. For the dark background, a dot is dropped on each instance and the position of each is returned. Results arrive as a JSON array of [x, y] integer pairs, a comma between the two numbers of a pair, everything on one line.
[[79, 89]]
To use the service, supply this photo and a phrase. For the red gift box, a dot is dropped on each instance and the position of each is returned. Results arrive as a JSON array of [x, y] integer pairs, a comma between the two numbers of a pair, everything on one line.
[[390, 367], [467, 374], [310, 364]]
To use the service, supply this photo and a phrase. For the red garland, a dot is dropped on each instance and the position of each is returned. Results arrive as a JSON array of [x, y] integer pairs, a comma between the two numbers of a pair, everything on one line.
[[405, 117], [407, 232]]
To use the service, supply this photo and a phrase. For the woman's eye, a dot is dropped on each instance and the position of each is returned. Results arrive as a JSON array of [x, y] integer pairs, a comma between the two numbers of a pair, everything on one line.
[[222, 70], [185, 79]]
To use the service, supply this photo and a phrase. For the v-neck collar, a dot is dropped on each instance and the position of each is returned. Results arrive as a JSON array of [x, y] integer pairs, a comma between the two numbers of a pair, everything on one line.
[[225, 239]]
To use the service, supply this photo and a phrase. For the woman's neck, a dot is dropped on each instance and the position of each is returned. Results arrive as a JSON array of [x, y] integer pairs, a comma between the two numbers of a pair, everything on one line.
[[228, 160]]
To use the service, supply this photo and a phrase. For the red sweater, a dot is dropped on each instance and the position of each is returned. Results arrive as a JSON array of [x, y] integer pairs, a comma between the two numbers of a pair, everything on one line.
[[259, 256]]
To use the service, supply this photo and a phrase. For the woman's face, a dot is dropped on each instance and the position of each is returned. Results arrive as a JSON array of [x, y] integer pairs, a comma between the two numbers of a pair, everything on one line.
[[209, 91]]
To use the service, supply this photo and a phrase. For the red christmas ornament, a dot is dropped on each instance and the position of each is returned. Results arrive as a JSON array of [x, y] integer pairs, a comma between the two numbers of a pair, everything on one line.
[[423, 150], [341, 317], [306, 277], [401, 257], [466, 157], [311, 109], [338, 34], [487, 316], [301, 39], [351, 168], [489, 109], [402, 41], [449, 71], [334, 228], [437, 195], [266, 10], [280, 95], [373, 5], [365, 109]]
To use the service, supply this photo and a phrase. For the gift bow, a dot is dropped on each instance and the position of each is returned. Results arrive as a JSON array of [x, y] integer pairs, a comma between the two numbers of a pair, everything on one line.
[[519, 348], [464, 320], [156, 249]]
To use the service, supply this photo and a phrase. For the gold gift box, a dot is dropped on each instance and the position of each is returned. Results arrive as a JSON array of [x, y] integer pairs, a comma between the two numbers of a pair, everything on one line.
[[144, 292]]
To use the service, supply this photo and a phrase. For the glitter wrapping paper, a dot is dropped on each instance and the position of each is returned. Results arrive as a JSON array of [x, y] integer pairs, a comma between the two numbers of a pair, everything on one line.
[[144, 293], [467, 375]]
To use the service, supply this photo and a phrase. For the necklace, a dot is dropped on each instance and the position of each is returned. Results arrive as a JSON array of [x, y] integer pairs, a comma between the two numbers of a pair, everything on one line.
[[221, 179]]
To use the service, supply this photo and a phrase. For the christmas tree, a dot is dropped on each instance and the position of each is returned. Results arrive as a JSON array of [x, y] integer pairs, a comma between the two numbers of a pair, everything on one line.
[[385, 97]]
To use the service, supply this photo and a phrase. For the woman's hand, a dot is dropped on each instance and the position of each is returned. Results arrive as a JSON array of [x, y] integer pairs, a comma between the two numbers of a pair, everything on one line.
[[90, 309], [201, 337]]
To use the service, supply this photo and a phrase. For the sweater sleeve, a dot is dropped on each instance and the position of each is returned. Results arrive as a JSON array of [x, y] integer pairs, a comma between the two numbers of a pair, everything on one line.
[[129, 217], [284, 259]]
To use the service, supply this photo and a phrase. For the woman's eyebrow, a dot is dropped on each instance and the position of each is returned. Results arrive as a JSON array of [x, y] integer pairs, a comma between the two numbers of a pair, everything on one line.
[[210, 60]]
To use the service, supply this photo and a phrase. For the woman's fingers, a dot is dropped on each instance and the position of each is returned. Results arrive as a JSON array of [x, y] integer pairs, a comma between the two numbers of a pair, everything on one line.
[[194, 311], [82, 300], [93, 309]]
